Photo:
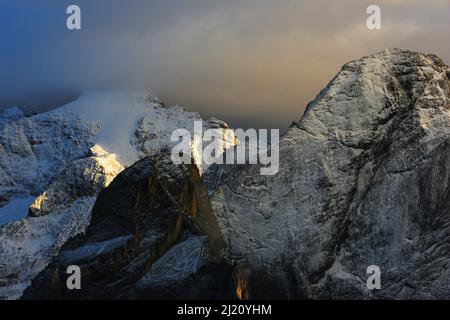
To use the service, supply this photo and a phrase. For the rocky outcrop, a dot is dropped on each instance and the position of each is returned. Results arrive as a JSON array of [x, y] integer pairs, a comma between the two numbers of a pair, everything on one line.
[[82, 178], [152, 235], [35, 149]]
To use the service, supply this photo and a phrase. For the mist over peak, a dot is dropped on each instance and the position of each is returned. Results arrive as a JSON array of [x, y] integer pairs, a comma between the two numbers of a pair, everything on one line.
[[254, 63]]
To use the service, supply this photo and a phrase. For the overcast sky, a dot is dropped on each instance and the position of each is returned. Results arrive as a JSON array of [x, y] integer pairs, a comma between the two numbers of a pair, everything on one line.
[[253, 63]]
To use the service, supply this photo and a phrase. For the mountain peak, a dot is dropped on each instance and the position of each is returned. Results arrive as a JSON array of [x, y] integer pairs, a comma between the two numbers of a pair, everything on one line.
[[376, 92]]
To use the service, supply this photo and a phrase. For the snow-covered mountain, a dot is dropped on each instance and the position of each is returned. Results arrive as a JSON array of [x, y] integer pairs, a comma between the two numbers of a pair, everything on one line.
[[54, 164], [364, 180]]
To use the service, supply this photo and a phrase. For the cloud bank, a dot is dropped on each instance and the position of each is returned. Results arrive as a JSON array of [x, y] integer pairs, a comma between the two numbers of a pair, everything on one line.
[[254, 63]]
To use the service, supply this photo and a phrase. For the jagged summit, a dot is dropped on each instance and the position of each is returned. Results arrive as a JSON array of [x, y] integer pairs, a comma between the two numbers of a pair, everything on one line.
[[398, 63], [374, 92], [118, 117]]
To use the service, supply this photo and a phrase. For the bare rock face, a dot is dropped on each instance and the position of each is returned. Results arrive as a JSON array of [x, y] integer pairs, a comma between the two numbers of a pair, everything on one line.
[[364, 180], [152, 235]]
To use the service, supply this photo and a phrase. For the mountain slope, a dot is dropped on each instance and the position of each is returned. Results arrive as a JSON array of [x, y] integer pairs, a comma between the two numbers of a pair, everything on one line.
[[364, 180], [152, 235], [62, 159]]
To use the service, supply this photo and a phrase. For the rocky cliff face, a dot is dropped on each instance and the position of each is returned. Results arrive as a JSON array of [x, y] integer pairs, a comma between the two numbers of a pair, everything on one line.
[[364, 180], [152, 235], [62, 159]]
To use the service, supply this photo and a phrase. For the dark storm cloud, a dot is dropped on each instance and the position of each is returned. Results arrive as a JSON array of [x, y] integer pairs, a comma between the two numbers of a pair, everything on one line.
[[252, 62]]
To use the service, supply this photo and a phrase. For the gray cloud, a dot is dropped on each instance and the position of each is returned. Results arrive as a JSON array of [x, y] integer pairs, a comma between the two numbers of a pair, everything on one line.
[[252, 62]]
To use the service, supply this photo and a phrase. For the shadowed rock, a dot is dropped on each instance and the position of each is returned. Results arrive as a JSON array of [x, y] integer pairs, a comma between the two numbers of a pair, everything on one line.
[[152, 235]]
